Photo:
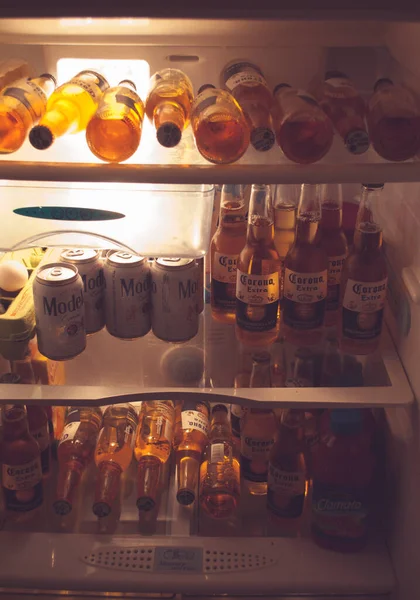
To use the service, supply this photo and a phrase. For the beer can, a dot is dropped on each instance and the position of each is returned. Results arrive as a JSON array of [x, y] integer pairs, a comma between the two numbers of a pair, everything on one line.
[[59, 311], [90, 267], [127, 294], [174, 299], [199, 263]]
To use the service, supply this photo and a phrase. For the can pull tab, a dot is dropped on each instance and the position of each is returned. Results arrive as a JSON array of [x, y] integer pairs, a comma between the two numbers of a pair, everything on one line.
[[75, 252], [124, 255], [56, 272]]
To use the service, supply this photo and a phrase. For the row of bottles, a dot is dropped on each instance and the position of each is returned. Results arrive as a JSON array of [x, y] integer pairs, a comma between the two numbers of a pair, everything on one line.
[[224, 121], [289, 267], [284, 455]]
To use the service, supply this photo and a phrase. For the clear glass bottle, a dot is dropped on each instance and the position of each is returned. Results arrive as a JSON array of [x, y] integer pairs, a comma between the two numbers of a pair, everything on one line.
[[226, 245], [188, 452], [305, 274], [168, 105], [286, 200], [245, 81], [75, 451], [153, 448], [220, 471], [258, 274], [22, 104], [113, 133], [113, 454], [220, 129], [69, 108], [393, 121], [303, 131], [364, 280], [261, 370]]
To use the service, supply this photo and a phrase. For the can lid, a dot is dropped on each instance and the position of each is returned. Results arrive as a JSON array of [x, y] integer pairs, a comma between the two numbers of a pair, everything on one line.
[[57, 273], [174, 263], [79, 255], [122, 257]]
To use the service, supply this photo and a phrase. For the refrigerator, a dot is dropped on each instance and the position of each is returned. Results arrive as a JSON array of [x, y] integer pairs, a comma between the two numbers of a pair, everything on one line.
[[168, 205]]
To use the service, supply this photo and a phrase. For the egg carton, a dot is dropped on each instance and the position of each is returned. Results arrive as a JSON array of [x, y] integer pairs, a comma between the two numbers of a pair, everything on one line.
[[17, 318]]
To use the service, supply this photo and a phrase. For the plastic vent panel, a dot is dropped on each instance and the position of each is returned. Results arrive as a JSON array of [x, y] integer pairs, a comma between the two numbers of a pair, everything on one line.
[[221, 561], [122, 559]]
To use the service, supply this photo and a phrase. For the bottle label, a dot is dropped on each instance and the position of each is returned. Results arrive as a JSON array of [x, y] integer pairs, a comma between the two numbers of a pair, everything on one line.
[[363, 308], [20, 92], [224, 280], [69, 431], [22, 486], [286, 492], [255, 453], [217, 453], [129, 100], [257, 299], [194, 419], [304, 297], [205, 103], [335, 267], [244, 73], [42, 436], [339, 513]]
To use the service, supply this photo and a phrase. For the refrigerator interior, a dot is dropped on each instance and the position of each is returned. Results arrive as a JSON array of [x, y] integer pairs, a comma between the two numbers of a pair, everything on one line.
[[76, 556]]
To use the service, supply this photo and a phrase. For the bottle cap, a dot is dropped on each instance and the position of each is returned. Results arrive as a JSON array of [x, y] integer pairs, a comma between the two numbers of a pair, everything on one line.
[[205, 87], [281, 85], [334, 73], [41, 137], [168, 135], [381, 81], [262, 138], [49, 76], [357, 141], [346, 421], [129, 82], [62, 507]]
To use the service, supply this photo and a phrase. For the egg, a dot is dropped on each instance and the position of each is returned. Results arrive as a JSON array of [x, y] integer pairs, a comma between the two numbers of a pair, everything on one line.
[[13, 275]]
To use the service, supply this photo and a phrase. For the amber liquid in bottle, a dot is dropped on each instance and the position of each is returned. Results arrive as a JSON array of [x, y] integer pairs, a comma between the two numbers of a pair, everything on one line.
[[113, 454], [227, 243], [246, 83], [75, 451], [194, 437], [69, 108], [113, 134], [364, 281], [168, 105], [286, 199], [220, 471], [153, 448], [220, 128], [39, 429], [258, 275], [22, 104]]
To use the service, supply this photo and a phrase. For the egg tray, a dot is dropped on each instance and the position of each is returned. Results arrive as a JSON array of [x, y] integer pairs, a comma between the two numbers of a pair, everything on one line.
[[17, 322]]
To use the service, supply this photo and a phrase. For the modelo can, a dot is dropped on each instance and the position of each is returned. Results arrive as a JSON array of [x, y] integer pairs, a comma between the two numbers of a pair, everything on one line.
[[127, 295], [59, 311], [174, 299], [90, 267]]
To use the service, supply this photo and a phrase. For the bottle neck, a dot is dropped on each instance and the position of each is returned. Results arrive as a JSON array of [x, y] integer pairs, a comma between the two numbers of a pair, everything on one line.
[[260, 218], [220, 426], [368, 233], [60, 122], [15, 423], [187, 472], [148, 476], [69, 476], [108, 486], [169, 120], [46, 84]]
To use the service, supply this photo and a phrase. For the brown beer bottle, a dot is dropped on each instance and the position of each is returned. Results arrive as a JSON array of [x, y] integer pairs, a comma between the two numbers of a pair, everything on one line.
[[245, 81], [113, 133], [168, 105], [194, 437], [394, 121], [227, 243], [334, 242], [258, 274], [21, 466], [364, 280], [305, 274], [286, 200], [220, 129], [340, 100], [39, 429]]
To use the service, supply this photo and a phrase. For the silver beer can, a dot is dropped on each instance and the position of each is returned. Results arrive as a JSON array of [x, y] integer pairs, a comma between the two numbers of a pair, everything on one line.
[[59, 311], [127, 294], [174, 299], [89, 264]]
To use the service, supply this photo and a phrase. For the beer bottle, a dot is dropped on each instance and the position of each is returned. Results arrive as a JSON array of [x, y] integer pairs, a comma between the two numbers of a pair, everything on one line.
[[345, 107], [113, 133], [194, 436], [75, 451], [168, 105], [113, 454], [69, 108], [393, 121], [258, 274], [22, 104], [364, 280], [228, 241], [39, 429], [220, 129], [220, 486], [153, 448], [21, 466], [286, 200], [261, 370], [305, 273], [334, 242], [303, 131], [245, 81]]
